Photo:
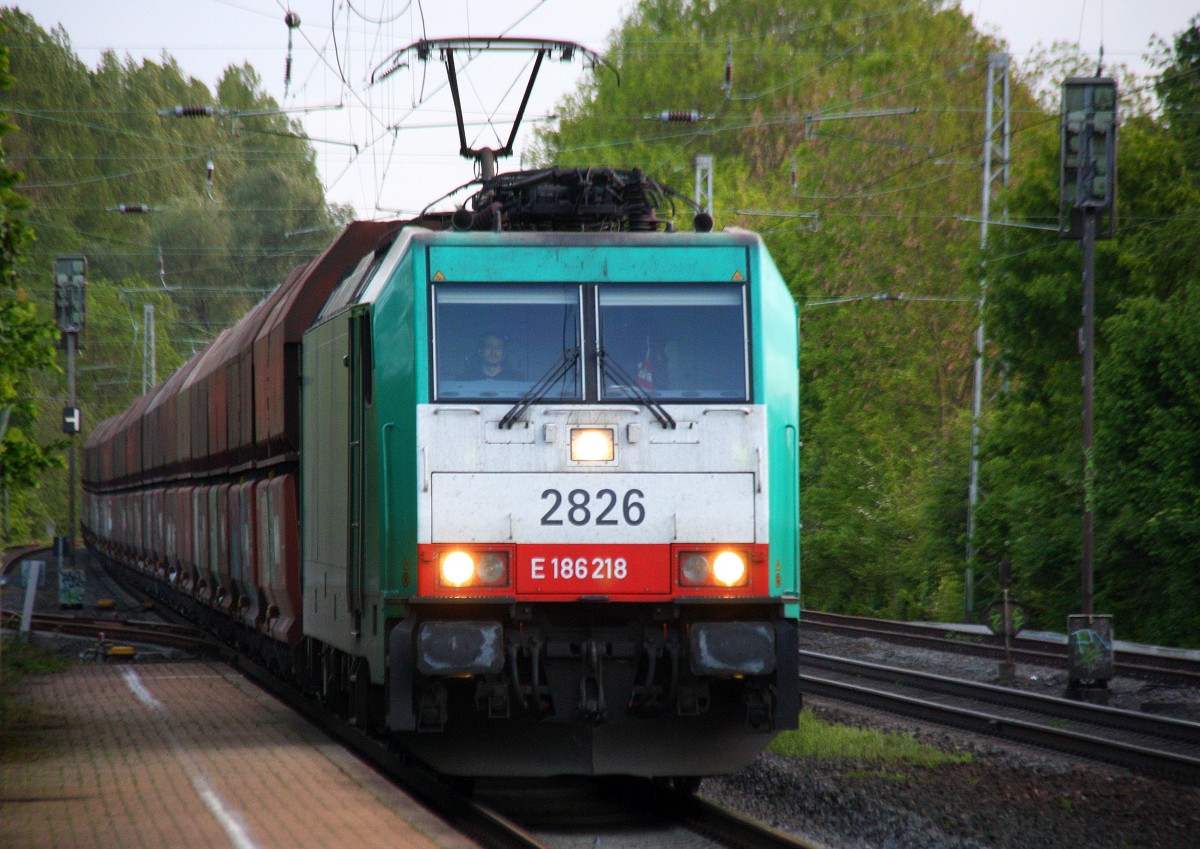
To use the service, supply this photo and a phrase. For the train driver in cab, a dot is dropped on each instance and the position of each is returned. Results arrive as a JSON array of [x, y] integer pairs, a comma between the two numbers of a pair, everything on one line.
[[492, 361]]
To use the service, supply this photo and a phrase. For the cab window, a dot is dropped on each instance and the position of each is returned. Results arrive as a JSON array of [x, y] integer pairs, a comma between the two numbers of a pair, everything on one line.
[[494, 342], [673, 342]]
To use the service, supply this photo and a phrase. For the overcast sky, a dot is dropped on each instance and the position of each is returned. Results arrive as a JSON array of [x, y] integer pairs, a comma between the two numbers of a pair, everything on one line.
[[394, 172]]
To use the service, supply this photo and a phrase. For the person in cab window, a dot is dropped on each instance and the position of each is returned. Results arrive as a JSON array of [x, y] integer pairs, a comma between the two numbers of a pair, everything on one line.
[[492, 362]]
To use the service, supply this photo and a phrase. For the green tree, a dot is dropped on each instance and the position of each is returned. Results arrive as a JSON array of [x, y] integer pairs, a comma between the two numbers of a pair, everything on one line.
[[26, 341], [1147, 430], [877, 112], [92, 140]]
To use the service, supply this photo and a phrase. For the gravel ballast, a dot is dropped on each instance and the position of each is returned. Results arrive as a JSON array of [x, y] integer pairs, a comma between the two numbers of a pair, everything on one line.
[[1008, 797]]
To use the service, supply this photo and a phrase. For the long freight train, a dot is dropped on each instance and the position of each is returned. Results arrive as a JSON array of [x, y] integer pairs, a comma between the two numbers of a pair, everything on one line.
[[516, 486]]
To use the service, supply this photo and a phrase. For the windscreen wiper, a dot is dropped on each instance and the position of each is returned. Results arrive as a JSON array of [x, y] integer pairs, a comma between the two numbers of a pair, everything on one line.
[[629, 384], [538, 390]]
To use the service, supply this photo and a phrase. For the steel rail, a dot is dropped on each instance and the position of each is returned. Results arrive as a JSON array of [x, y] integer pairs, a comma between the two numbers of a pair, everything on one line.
[[1022, 649], [1052, 733], [1131, 722], [112, 630], [645, 813], [18, 553], [725, 826], [50, 620]]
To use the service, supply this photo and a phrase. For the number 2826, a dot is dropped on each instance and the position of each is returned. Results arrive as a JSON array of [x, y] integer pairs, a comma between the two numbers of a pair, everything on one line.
[[579, 507]]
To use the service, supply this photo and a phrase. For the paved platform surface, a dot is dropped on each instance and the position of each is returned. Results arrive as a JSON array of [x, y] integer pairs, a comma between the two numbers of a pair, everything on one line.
[[187, 756]]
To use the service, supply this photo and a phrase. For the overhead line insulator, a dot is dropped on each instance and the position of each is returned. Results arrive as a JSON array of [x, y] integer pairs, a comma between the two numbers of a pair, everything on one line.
[[676, 116], [293, 23], [188, 112]]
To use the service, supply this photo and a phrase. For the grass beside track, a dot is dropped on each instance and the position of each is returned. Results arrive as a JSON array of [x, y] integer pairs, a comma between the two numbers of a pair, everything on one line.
[[816, 738]]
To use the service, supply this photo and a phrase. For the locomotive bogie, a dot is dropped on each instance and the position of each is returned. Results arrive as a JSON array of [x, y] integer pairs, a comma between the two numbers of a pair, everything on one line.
[[594, 689]]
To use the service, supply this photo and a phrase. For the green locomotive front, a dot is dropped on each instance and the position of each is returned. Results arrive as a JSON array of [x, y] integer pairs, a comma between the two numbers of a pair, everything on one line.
[[549, 499]]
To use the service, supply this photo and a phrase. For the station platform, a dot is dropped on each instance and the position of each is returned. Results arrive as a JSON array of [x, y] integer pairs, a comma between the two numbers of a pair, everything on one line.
[[191, 756]]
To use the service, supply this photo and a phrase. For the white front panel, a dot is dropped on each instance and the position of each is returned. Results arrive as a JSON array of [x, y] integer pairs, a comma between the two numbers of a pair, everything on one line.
[[611, 507], [701, 481]]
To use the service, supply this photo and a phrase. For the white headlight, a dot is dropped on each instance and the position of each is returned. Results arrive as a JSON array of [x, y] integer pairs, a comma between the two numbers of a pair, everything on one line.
[[592, 445], [457, 568], [729, 568]]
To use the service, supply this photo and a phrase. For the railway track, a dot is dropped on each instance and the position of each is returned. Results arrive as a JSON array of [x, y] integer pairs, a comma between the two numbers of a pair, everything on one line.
[[110, 634], [639, 810], [1145, 743], [1163, 665], [20, 552], [632, 813], [122, 622]]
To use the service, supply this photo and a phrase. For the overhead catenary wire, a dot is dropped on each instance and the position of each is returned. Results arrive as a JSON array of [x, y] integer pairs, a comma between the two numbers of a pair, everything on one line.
[[395, 151], [774, 32], [859, 192]]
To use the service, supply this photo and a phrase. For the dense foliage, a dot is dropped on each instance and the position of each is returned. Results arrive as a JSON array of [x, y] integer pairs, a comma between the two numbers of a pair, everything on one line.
[[878, 113], [877, 203], [86, 142], [1147, 562], [26, 339]]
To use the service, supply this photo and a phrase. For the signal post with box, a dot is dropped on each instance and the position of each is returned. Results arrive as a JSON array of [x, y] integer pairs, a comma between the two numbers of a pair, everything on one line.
[[70, 314], [1087, 211]]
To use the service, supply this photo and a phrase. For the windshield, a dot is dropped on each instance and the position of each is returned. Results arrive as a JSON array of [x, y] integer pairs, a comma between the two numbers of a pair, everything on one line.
[[493, 342], [676, 342]]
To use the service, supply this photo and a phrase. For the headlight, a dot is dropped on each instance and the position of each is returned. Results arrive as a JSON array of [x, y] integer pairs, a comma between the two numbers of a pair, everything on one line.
[[729, 568], [457, 568], [468, 569], [712, 569], [492, 568], [592, 445], [695, 568]]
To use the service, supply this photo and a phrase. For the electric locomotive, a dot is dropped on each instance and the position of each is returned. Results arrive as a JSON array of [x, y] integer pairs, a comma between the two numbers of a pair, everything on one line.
[[547, 489]]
